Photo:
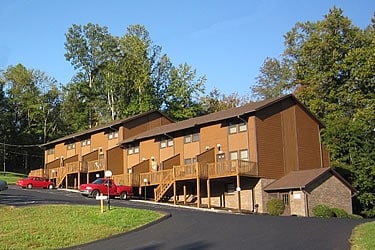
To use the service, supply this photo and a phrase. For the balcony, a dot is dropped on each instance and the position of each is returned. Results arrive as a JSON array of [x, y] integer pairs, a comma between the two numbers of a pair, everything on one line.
[[201, 171], [96, 165]]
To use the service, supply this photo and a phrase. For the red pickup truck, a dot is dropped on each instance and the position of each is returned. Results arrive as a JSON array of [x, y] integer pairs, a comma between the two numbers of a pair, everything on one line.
[[100, 186]]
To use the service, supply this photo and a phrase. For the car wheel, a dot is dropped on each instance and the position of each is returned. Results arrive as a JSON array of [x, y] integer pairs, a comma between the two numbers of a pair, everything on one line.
[[29, 186], [123, 196], [94, 193], [50, 186]]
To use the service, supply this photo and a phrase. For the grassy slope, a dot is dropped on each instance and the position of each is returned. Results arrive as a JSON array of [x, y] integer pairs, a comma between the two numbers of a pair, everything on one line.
[[60, 226]]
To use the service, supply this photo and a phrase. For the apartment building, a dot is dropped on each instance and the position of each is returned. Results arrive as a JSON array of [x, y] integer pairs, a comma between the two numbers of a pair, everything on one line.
[[224, 160]]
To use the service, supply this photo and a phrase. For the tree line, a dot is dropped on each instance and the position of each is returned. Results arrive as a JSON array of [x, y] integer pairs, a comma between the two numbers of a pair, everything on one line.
[[328, 64]]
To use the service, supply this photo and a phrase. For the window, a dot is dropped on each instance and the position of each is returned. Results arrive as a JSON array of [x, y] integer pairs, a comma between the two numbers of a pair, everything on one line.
[[195, 137], [191, 138], [51, 151], [244, 154], [242, 127], [285, 199], [187, 139], [133, 150], [170, 142], [234, 128], [187, 161], [86, 142], [113, 135], [233, 155], [71, 146], [166, 143]]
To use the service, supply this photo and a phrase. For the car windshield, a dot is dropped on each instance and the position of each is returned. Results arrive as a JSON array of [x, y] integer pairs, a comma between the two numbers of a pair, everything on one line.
[[99, 181]]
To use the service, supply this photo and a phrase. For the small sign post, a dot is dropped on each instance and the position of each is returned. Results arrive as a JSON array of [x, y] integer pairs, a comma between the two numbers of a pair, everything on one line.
[[101, 197]]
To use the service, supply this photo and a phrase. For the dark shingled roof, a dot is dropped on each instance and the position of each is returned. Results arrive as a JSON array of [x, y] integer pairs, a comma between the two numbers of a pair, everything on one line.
[[301, 179], [213, 117], [99, 128]]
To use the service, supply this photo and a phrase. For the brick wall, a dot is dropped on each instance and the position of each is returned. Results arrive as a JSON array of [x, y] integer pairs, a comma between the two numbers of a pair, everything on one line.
[[333, 193]]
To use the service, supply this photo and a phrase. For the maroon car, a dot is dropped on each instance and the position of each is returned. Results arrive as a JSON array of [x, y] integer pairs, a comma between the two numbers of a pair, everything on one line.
[[35, 182]]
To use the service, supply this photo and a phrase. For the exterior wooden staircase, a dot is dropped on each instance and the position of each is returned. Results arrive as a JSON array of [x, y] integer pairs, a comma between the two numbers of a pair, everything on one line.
[[163, 187]]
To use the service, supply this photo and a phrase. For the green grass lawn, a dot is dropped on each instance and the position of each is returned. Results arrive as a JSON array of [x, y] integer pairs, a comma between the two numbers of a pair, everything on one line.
[[11, 178], [363, 236], [61, 226]]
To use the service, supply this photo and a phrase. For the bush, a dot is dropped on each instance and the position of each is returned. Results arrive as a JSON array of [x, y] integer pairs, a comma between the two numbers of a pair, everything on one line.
[[275, 207], [339, 213], [323, 211]]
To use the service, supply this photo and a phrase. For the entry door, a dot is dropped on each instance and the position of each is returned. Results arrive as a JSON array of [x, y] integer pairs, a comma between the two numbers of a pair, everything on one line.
[[286, 200]]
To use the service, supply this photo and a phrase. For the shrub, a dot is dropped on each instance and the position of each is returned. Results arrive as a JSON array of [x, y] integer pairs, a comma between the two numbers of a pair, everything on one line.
[[323, 211], [275, 207], [339, 212]]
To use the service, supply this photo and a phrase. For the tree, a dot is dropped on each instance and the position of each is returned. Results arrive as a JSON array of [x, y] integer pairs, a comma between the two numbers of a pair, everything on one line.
[[33, 99], [331, 65], [272, 80], [183, 92], [89, 48], [215, 101]]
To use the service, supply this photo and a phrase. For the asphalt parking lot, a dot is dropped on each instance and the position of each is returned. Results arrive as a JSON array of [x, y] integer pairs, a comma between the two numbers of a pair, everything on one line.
[[203, 229]]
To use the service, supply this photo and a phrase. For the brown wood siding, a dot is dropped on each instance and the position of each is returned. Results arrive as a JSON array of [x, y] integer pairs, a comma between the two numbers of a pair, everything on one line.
[[290, 139], [148, 149], [60, 150], [237, 141], [71, 159], [213, 135], [114, 160], [99, 140], [207, 156], [270, 146], [173, 161], [141, 167], [53, 164], [308, 137], [91, 156], [132, 159], [144, 123], [251, 127], [85, 150], [166, 153], [191, 150]]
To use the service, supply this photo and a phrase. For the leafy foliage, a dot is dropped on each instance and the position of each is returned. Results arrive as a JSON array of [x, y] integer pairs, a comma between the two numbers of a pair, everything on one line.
[[275, 207], [331, 64]]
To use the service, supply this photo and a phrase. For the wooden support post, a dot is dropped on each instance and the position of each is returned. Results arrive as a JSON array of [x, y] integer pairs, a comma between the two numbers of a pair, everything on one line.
[[198, 193], [185, 194], [174, 192], [239, 192], [209, 193], [75, 183], [66, 180], [79, 178]]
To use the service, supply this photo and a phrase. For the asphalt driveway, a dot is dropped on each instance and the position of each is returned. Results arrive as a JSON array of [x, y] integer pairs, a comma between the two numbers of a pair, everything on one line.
[[203, 229]]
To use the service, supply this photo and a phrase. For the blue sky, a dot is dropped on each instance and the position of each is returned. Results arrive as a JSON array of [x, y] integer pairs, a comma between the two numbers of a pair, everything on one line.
[[227, 41]]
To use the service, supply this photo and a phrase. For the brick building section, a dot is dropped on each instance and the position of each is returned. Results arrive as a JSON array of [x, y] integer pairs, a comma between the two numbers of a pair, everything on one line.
[[333, 193], [308, 188]]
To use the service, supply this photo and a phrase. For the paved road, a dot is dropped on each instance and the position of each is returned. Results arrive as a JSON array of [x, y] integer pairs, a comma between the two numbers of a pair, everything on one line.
[[197, 229]]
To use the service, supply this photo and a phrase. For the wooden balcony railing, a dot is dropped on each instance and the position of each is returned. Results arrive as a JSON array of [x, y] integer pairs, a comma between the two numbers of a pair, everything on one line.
[[233, 167], [38, 172], [127, 179], [97, 165], [196, 170], [72, 167], [155, 178]]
